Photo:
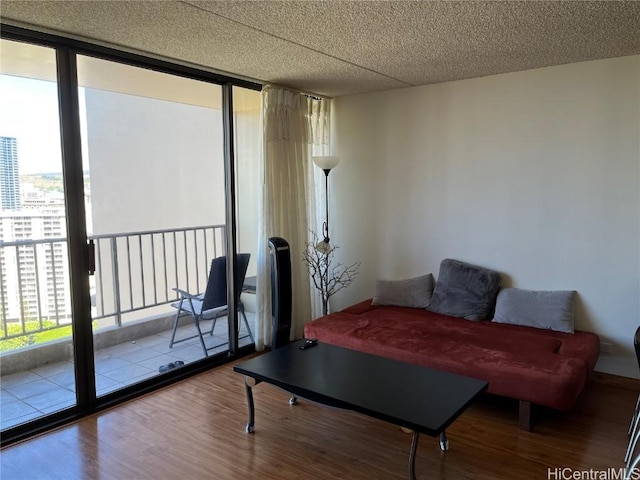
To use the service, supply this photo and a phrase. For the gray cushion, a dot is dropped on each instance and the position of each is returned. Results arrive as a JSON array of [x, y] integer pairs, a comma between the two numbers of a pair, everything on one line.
[[411, 292], [465, 290], [551, 310]]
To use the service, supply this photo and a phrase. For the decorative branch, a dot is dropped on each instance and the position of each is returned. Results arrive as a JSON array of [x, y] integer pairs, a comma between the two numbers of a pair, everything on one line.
[[327, 279]]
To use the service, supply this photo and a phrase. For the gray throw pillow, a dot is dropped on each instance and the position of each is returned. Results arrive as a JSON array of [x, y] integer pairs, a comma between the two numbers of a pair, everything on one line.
[[411, 292], [464, 290], [551, 310]]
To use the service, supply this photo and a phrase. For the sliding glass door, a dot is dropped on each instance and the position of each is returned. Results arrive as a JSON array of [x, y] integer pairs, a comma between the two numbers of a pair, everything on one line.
[[116, 196], [155, 196]]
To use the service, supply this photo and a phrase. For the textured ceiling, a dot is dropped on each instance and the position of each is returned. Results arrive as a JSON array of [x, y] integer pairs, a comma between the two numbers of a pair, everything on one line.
[[337, 47]]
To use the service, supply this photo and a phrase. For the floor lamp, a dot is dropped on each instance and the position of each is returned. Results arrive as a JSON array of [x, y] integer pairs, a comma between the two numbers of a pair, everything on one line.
[[326, 163]]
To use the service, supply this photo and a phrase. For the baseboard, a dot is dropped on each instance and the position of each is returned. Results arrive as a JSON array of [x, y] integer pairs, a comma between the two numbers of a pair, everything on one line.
[[617, 381]]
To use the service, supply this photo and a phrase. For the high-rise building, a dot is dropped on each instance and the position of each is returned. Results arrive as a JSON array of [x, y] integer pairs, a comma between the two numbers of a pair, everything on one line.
[[9, 174], [34, 271]]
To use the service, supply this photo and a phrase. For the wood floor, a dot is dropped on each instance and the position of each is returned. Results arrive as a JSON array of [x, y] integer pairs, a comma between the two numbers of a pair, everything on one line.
[[195, 430]]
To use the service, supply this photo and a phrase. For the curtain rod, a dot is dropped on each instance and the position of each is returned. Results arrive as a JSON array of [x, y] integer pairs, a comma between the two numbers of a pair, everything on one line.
[[314, 96]]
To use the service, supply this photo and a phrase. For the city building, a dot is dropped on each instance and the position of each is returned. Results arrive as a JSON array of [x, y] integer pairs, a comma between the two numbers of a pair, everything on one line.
[[9, 174], [35, 275]]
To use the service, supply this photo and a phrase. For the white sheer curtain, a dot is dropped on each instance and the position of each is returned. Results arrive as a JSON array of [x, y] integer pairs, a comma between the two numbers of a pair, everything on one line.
[[292, 124]]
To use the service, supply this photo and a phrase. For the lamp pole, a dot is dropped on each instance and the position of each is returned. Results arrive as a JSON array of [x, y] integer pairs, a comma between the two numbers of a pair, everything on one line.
[[326, 164], [325, 226]]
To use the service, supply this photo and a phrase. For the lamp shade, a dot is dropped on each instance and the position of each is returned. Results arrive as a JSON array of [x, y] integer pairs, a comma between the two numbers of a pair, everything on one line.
[[326, 162]]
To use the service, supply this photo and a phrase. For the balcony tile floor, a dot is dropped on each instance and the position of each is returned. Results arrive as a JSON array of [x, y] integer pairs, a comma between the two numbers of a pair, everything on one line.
[[50, 388]]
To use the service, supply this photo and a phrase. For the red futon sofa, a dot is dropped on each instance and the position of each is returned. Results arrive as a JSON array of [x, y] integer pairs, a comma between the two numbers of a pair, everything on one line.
[[533, 365]]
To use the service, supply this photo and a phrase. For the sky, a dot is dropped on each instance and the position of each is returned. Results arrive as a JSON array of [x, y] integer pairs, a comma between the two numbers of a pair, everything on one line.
[[29, 112]]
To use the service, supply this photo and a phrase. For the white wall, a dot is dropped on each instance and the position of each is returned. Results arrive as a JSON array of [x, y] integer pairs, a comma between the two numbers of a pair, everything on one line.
[[535, 174], [154, 164]]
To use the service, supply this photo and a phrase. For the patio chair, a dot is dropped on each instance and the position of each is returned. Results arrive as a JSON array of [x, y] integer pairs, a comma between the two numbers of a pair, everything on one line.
[[213, 303]]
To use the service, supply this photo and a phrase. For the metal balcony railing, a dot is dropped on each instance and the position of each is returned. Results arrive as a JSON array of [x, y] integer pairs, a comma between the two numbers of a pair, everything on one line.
[[134, 271]]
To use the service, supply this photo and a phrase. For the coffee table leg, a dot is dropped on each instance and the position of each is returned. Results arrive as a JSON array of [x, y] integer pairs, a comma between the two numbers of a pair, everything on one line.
[[444, 443], [412, 456], [248, 384]]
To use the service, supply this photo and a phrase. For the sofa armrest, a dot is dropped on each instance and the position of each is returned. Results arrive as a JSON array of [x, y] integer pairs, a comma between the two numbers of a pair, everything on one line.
[[583, 345]]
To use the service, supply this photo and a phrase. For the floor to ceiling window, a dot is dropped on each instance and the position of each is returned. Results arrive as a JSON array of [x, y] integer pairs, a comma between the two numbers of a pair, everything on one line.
[[153, 170], [34, 287]]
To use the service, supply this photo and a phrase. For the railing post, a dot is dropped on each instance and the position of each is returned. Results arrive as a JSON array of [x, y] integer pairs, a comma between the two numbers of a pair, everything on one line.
[[100, 307], [37, 275], [116, 280], [54, 273], [3, 305], [23, 320], [144, 300]]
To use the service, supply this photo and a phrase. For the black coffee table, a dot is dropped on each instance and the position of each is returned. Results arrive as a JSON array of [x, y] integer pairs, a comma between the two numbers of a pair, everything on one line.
[[420, 399]]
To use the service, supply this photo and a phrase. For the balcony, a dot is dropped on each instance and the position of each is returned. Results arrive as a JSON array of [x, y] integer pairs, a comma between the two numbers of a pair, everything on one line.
[[131, 313]]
